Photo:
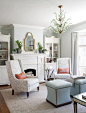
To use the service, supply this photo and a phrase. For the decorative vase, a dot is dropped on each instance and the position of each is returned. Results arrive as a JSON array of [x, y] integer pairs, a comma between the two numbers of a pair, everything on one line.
[[14, 52], [40, 51], [19, 51]]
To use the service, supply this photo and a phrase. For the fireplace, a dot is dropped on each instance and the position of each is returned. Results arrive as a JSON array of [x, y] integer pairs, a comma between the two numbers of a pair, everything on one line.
[[30, 71]]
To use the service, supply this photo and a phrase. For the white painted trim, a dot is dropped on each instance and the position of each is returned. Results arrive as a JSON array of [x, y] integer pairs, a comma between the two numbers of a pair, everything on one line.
[[28, 26], [19, 25]]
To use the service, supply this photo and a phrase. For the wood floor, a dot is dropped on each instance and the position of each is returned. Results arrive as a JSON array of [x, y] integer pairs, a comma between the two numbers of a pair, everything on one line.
[[3, 106]]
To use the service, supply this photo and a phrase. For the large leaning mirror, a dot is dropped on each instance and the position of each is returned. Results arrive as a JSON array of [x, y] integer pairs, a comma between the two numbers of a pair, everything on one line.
[[29, 42]]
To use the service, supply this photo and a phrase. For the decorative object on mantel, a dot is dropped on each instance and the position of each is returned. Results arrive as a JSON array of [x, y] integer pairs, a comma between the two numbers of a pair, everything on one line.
[[44, 50], [29, 43], [14, 51], [60, 25], [19, 43], [40, 48]]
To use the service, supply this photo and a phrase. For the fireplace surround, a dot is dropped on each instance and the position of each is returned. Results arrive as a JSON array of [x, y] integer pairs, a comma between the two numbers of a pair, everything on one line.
[[32, 61]]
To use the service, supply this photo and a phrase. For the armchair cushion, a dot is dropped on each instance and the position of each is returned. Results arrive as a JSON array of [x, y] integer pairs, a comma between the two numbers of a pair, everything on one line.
[[66, 70], [31, 81], [21, 76]]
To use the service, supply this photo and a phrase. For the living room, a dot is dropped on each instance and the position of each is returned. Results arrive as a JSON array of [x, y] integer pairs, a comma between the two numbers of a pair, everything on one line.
[[21, 20]]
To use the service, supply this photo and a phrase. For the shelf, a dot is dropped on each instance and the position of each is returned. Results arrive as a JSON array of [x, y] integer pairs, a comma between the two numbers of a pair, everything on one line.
[[48, 57], [3, 59], [51, 63], [2, 65], [3, 50], [55, 50], [49, 50]]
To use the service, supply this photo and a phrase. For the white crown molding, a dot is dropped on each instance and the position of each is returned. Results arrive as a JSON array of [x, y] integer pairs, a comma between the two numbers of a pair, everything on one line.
[[28, 26], [19, 25], [7, 26]]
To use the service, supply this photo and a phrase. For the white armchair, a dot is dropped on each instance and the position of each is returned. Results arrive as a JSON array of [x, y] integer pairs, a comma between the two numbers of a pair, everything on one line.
[[26, 85], [63, 63]]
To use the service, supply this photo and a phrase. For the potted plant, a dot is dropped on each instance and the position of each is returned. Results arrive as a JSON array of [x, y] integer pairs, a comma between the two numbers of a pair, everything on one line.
[[44, 50], [39, 47], [14, 51], [19, 43]]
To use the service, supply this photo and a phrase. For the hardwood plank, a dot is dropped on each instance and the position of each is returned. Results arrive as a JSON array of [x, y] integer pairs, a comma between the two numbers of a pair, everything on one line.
[[3, 106], [5, 87]]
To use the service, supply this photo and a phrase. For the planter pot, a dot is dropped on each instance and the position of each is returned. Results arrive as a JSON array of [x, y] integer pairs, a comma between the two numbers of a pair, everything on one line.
[[40, 51], [19, 51]]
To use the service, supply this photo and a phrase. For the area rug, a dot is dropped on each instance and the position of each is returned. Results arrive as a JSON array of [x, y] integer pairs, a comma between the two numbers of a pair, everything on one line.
[[36, 103]]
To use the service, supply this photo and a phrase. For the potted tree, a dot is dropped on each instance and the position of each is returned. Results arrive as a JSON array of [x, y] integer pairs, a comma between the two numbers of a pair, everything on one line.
[[39, 47], [19, 43]]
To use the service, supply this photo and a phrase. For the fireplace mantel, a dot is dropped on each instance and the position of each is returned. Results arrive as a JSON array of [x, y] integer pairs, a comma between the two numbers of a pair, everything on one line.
[[35, 61]]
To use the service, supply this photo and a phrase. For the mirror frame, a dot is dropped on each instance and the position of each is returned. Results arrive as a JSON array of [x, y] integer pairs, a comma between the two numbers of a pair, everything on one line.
[[32, 38]]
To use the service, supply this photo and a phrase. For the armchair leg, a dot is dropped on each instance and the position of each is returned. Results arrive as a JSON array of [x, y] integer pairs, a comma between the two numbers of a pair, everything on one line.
[[12, 92], [27, 94], [38, 88]]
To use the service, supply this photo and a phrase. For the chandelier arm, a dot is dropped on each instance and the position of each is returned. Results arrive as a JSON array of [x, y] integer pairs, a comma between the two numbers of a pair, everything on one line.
[[53, 21], [53, 29], [59, 23]]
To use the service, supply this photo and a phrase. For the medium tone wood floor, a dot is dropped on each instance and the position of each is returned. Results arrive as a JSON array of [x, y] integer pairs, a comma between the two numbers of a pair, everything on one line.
[[3, 106]]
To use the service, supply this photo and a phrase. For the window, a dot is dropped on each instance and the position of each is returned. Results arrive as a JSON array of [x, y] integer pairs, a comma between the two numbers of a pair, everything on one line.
[[82, 54]]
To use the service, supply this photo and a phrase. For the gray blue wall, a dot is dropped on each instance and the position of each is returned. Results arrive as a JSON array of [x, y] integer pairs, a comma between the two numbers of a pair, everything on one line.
[[66, 39], [20, 34]]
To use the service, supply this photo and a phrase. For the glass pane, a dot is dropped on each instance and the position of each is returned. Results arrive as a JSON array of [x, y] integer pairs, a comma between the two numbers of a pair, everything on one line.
[[82, 56], [82, 40]]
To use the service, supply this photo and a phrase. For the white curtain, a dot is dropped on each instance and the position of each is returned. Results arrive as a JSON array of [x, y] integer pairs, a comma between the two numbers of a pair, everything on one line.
[[74, 57]]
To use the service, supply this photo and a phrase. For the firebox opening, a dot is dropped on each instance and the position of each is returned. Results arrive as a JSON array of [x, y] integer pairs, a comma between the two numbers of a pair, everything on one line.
[[33, 71]]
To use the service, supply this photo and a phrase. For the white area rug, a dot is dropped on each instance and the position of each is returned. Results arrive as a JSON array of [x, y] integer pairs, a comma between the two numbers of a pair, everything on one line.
[[36, 103]]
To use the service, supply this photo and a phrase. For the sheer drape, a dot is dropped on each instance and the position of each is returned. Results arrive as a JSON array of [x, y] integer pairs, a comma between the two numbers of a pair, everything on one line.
[[74, 57]]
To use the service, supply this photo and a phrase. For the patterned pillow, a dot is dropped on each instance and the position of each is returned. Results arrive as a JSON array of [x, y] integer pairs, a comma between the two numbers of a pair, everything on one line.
[[66, 70], [21, 76]]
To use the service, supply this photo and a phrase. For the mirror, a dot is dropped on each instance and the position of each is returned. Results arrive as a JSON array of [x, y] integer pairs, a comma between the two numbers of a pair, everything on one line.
[[29, 42]]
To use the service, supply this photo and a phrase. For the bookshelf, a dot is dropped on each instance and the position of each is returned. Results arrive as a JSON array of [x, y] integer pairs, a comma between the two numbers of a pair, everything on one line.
[[52, 45], [4, 56]]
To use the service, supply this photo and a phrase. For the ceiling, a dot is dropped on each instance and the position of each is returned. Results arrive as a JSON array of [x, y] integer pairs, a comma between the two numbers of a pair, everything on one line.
[[40, 12]]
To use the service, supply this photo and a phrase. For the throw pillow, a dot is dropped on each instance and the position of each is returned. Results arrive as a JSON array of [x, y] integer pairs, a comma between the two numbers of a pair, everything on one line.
[[21, 76], [66, 70]]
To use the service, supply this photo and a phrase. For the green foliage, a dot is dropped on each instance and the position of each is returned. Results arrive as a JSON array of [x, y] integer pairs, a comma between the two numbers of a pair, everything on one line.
[[39, 46], [19, 43], [14, 50], [44, 50]]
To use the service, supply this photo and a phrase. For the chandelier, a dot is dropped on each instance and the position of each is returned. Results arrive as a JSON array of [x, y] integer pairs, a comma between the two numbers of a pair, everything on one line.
[[60, 25]]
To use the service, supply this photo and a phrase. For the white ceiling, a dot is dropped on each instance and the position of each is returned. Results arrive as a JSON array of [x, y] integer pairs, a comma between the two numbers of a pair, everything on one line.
[[40, 12]]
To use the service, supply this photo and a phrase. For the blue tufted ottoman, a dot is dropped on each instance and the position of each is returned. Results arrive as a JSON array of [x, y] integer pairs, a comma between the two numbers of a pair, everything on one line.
[[58, 92], [79, 87]]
